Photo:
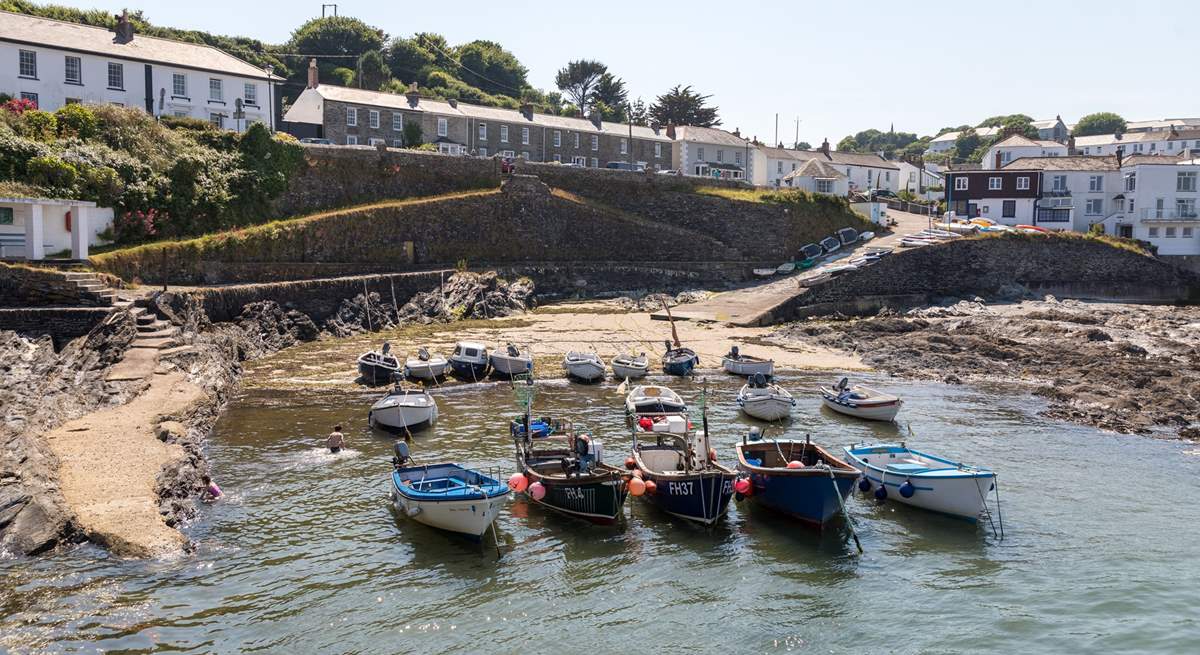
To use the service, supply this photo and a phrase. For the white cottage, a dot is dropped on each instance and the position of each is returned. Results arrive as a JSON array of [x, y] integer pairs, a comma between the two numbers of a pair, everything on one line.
[[711, 152]]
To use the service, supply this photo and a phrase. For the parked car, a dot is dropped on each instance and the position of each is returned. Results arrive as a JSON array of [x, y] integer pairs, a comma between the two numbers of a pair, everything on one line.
[[883, 193], [625, 166], [669, 171], [320, 142]]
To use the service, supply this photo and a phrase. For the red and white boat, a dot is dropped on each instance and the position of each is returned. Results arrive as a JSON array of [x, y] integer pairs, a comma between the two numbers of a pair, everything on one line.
[[861, 402]]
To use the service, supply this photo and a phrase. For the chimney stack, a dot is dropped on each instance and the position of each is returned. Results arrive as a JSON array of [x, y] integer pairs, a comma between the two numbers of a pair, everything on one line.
[[656, 126], [1120, 155], [1071, 146], [314, 78], [453, 103], [124, 29], [998, 165], [825, 147], [412, 95], [671, 131], [595, 118], [527, 110], [737, 132]]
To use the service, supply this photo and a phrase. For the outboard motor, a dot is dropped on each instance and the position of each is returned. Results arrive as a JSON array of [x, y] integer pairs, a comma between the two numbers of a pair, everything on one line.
[[512, 351], [733, 352], [423, 354], [668, 343], [759, 381], [755, 433], [387, 347], [842, 384], [401, 454]]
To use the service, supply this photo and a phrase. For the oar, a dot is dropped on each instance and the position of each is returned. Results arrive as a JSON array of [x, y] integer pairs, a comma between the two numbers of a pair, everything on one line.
[[846, 515]]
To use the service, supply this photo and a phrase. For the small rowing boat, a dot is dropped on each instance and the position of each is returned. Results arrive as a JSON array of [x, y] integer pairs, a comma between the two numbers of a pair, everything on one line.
[[861, 402], [738, 363], [765, 401], [797, 478], [446, 496], [511, 361], [403, 409], [627, 366], [425, 366], [897, 472], [378, 366], [585, 367]]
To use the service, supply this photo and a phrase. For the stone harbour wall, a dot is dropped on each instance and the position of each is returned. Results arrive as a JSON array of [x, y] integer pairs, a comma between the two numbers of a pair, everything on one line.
[[62, 324], [26, 286]]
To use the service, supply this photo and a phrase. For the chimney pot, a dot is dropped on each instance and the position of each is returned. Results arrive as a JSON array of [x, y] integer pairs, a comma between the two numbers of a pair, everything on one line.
[[453, 103], [825, 147], [671, 131], [124, 28], [737, 132], [313, 74]]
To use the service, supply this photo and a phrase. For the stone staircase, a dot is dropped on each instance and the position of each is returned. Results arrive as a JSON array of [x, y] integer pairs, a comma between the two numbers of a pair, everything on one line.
[[155, 337], [92, 288]]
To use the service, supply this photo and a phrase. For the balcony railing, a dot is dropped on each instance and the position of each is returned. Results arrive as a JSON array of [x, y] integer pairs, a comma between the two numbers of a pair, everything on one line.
[[1053, 215], [1148, 215]]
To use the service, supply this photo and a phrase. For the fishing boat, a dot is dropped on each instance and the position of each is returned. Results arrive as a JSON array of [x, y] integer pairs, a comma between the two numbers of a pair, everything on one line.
[[652, 400], [679, 472], [896, 472], [424, 366], [446, 496], [739, 364], [511, 361], [764, 400], [469, 360], [566, 472], [679, 360], [627, 366], [798, 478], [586, 367], [378, 366], [861, 402], [403, 409]]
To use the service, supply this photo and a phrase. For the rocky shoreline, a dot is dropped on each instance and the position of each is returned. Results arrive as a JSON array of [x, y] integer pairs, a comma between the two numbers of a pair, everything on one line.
[[41, 390], [1124, 368]]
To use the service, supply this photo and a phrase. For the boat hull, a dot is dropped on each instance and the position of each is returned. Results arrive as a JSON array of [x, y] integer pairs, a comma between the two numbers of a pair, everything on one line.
[[599, 500], [376, 374], [868, 411], [585, 371], [748, 368], [402, 418], [810, 498], [701, 497], [680, 367], [766, 408], [626, 372], [470, 517], [962, 496], [510, 366], [426, 370]]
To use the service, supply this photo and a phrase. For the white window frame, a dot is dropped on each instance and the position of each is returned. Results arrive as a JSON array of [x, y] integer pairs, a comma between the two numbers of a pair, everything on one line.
[[595, 143], [119, 70], [658, 151], [373, 118], [397, 121], [1152, 232], [557, 139], [1169, 232], [1097, 203], [481, 131], [525, 155], [503, 134], [1185, 182], [525, 137], [178, 85], [1185, 207], [824, 186], [595, 163], [1059, 183], [962, 183], [1023, 183], [737, 157], [250, 94], [351, 139], [27, 64], [720, 156], [482, 152], [558, 158], [375, 141], [576, 135], [508, 154], [443, 127], [216, 118], [624, 146], [995, 184], [67, 60], [1095, 183], [1187, 232], [397, 143], [216, 89], [351, 116]]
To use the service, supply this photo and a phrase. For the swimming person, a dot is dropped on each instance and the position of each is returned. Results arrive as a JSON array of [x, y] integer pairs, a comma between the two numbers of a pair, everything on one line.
[[211, 491], [336, 440]]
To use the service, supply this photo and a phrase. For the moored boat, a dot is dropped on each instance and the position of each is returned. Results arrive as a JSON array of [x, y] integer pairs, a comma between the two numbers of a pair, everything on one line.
[[446, 496], [511, 361], [785, 268], [679, 360], [797, 478], [861, 402], [897, 472], [628, 366], [583, 366], [403, 409], [765, 400], [763, 272], [652, 400], [739, 363], [469, 360], [378, 366], [425, 366], [566, 472]]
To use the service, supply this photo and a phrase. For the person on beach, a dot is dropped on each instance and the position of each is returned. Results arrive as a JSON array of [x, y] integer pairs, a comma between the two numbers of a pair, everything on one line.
[[211, 491], [336, 440]]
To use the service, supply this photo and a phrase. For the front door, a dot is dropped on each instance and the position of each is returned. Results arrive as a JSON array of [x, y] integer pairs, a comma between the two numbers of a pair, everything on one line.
[[1125, 231]]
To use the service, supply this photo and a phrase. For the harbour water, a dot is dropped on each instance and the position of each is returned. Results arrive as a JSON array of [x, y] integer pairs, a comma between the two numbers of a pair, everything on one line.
[[303, 553]]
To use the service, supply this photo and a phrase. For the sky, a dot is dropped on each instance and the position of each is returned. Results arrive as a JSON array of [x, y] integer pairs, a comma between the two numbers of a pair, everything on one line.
[[837, 67]]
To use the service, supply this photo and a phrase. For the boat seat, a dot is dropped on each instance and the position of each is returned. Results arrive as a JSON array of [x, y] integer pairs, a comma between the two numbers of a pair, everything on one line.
[[906, 467]]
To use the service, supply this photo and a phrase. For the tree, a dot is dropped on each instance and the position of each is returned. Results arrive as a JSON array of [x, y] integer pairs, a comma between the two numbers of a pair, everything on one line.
[[804, 145], [1017, 124], [868, 141], [966, 144], [578, 80], [997, 121], [373, 71], [682, 106], [1104, 122], [638, 114], [413, 59], [339, 38], [611, 91], [488, 66], [412, 134]]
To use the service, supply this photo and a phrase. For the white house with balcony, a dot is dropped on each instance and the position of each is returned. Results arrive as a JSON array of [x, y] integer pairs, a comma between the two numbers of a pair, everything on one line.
[[1160, 205], [1172, 141], [711, 152], [53, 63], [773, 167], [1018, 146]]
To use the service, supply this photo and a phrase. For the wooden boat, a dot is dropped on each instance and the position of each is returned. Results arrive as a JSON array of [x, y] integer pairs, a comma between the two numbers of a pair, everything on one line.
[[765, 401], [575, 479], [446, 496], [511, 361], [861, 402], [586, 367], [425, 366], [896, 472], [627, 366], [469, 360], [378, 366], [808, 491], [786, 268], [1033, 228], [688, 481], [652, 400], [403, 409], [763, 272], [679, 360], [739, 364]]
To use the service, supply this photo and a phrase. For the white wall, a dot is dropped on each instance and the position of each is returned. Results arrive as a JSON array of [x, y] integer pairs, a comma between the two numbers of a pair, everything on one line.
[[688, 156], [770, 171], [53, 90], [1010, 153], [55, 236]]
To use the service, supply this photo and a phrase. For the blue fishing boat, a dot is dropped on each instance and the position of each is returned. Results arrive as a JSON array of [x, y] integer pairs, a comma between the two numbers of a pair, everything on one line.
[[897, 472], [445, 495], [679, 360], [797, 478], [538, 428]]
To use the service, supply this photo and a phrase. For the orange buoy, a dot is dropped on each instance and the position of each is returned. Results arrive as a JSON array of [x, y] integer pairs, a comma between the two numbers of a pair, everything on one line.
[[795, 464], [630, 463], [637, 487], [712, 454], [517, 482], [650, 487]]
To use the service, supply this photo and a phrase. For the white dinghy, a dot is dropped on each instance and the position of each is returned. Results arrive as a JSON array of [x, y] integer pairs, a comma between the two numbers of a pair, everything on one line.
[[424, 366], [861, 402], [740, 364], [896, 472], [403, 409], [587, 367], [511, 361], [628, 366], [765, 401], [445, 495]]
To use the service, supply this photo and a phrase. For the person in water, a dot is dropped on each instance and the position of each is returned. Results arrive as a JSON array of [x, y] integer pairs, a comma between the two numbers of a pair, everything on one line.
[[211, 491], [336, 440]]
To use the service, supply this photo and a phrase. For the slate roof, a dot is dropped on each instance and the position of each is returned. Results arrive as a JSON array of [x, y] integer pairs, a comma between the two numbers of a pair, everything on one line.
[[1070, 163], [44, 32], [709, 135], [1021, 141], [816, 169], [837, 157]]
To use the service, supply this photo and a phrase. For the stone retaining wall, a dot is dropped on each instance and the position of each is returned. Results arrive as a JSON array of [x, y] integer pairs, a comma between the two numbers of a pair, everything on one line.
[[25, 286], [61, 323]]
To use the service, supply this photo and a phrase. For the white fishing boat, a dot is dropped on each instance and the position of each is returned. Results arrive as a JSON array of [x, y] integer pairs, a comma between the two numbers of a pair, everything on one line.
[[861, 402], [587, 367], [786, 268], [403, 409], [866, 236], [627, 366], [831, 244], [740, 364], [765, 401], [425, 366], [378, 366], [653, 399], [896, 472], [512, 361], [469, 360], [446, 496]]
